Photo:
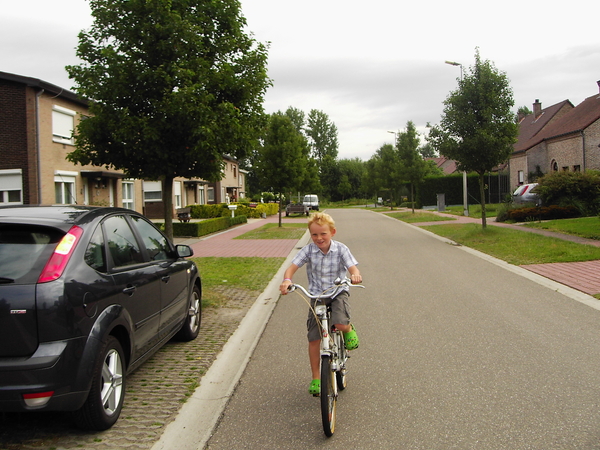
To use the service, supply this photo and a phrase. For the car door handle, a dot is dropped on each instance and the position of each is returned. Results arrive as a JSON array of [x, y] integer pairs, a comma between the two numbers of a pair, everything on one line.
[[129, 290], [166, 278]]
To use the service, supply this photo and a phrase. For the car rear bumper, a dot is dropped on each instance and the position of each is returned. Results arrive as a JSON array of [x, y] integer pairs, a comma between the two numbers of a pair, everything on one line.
[[44, 371]]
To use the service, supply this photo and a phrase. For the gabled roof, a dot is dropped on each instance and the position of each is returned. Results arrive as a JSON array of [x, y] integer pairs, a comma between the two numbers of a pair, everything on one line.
[[576, 120], [530, 126], [43, 85], [448, 166]]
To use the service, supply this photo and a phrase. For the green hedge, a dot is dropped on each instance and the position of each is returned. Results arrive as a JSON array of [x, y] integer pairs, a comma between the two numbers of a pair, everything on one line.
[[221, 210], [197, 229], [542, 213]]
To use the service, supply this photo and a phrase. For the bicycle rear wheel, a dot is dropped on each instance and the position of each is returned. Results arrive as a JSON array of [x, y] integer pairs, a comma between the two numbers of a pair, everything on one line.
[[328, 396]]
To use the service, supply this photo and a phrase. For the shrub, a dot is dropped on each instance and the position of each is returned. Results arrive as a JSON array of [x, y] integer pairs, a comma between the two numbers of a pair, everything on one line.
[[542, 213], [577, 189], [196, 229]]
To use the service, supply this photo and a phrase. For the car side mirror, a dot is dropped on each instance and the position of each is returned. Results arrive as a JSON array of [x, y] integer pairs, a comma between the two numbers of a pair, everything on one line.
[[184, 251]]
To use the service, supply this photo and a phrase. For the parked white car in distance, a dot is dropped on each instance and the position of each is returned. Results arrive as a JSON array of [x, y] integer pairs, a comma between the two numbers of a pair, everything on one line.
[[524, 194], [312, 201]]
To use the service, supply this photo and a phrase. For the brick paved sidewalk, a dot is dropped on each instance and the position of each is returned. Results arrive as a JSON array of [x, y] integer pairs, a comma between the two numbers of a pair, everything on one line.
[[224, 244]]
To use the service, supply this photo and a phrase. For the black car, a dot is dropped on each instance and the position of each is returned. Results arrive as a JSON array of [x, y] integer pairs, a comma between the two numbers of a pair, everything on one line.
[[86, 295]]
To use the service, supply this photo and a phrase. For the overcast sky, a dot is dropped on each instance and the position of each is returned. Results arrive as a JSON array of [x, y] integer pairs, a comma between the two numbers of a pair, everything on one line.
[[371, 66]]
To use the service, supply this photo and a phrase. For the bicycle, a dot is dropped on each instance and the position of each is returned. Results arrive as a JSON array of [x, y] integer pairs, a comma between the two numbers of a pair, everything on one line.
[[334, 354]]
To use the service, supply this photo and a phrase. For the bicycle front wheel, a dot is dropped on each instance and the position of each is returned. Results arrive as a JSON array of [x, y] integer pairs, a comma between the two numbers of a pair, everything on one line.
[[328, 396]]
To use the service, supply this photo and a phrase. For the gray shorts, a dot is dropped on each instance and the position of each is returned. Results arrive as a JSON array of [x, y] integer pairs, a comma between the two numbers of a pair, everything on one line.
[[340, 313]]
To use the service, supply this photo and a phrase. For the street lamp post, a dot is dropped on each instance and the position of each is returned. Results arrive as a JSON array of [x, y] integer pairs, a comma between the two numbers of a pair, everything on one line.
[[394, 133], [465, 202]]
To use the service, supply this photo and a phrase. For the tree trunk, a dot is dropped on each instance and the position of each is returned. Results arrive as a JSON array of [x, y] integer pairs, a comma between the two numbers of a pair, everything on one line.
[[280, 204], [412, 197], [482, 195], [167, 192]]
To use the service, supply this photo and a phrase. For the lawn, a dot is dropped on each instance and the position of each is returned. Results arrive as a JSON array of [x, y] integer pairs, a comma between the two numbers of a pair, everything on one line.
[[474, 210], [515, 246], [274, 231], [418, 216], [587, 227], [249, 273]]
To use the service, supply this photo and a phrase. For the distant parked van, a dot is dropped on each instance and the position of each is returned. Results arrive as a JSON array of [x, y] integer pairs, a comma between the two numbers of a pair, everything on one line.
[[312, 201]]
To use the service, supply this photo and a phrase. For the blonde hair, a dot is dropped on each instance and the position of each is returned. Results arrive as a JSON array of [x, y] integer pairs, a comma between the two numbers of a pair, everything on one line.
[[321, 219]]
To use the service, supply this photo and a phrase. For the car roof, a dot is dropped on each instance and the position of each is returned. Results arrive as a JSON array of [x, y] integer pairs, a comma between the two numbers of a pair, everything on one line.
[[62, 216]]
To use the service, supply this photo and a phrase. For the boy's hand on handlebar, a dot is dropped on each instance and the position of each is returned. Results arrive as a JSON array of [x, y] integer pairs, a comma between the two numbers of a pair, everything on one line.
[[355, 278], [285, 286]]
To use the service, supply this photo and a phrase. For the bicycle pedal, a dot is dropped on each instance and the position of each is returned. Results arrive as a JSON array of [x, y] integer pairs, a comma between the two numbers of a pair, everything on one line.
[[316, 395]]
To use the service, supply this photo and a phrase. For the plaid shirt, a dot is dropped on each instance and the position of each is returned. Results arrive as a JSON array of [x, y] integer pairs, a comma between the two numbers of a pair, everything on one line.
[[322, 269]]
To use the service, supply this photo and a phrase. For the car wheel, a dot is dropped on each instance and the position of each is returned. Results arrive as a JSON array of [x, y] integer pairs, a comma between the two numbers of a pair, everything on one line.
[[191, 326], [105, 399]]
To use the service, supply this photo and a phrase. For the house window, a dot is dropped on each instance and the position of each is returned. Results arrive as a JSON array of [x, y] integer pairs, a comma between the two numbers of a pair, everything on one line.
[[152, 191], [554, 166], [11, 186], [521, 175], [210, 194], [565, 168], [234, 171], [63, 121], [577, 168], [64, 188], [177, 194], [128, 194]]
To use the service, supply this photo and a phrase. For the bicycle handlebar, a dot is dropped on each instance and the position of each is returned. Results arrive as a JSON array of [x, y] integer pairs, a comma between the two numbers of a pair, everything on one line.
[[338, 283]]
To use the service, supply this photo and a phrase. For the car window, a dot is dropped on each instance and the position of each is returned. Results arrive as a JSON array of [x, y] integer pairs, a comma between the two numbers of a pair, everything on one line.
[[157, 245], [24, 250], [95, 253], [121, 241]]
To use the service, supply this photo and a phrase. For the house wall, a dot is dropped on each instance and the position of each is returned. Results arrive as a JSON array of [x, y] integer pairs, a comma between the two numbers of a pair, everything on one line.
[[566, 151], [517, 163], [592, 146], [17, 138]]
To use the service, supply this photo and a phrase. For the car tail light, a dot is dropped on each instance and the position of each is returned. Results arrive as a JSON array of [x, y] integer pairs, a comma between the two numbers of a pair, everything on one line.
[[38, 398], [62, 253]]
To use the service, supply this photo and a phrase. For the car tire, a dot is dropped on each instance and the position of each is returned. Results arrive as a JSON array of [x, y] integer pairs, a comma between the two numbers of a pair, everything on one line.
[[105, 399], [191, 325]]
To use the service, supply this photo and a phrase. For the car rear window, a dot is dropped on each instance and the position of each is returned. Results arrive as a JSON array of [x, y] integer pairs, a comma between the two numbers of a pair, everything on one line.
[[24, 250]]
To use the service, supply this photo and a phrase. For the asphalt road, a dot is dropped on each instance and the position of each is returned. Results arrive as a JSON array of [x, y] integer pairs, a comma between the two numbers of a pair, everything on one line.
[[456, 353]]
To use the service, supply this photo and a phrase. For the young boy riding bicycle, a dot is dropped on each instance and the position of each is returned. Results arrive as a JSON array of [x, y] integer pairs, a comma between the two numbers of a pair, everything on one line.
[[326, 261]]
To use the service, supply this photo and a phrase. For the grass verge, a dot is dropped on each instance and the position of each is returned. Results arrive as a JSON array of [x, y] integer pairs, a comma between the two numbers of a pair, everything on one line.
[[218, 274], [274, 231], [418, 216], [587, 227], [514, 246]]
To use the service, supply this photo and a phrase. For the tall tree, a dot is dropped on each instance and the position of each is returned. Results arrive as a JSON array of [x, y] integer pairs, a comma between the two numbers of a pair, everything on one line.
[[283, 163], [323, 135], [297, 117], [478, 129], [174, 85], [323, 138], [412, 166], [384, 172]]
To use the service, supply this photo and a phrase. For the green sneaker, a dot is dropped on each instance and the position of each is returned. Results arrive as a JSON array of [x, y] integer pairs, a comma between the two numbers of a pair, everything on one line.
[[351, 339], [315, 388]]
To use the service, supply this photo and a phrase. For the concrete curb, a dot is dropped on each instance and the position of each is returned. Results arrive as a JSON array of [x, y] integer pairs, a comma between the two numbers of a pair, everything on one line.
[[196, 420]]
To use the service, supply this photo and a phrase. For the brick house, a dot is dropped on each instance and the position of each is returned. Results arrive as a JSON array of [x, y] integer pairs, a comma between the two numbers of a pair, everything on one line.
[[560, 137], [37, 120]]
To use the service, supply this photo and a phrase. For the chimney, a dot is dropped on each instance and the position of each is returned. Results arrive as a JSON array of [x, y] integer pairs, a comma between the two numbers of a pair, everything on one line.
[[537, 108]]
